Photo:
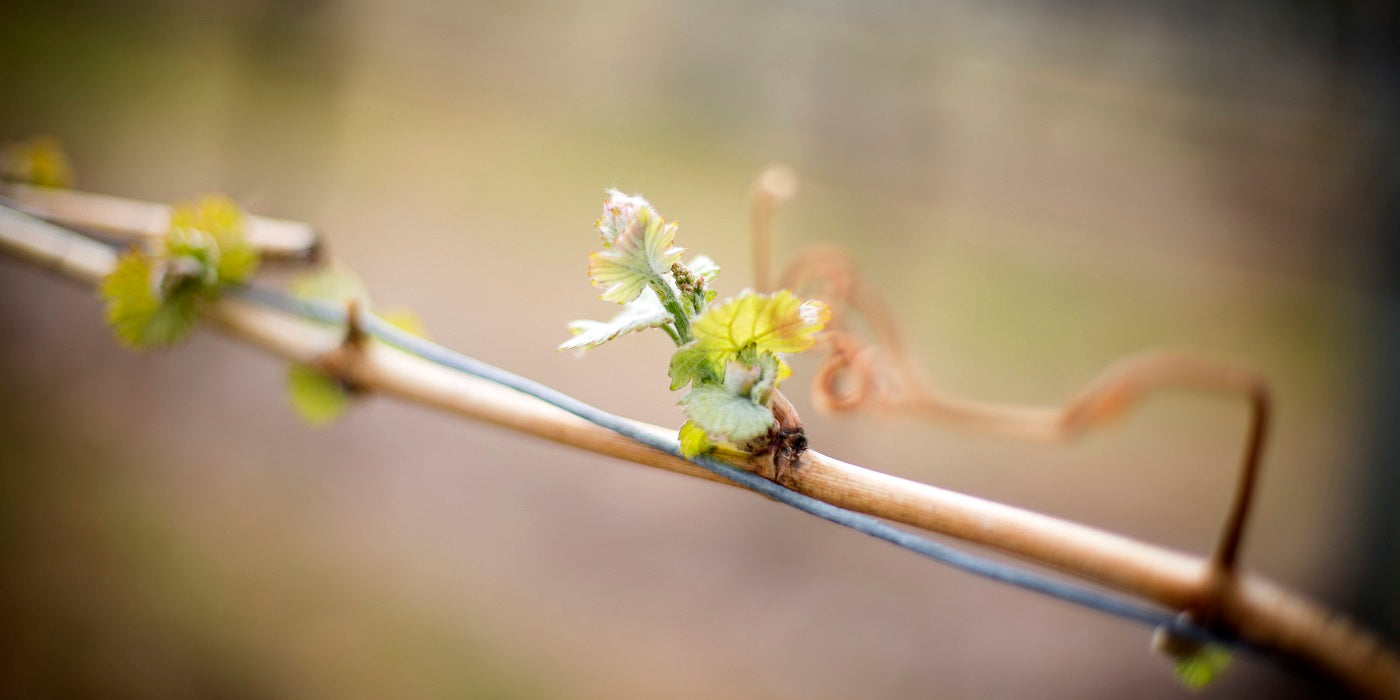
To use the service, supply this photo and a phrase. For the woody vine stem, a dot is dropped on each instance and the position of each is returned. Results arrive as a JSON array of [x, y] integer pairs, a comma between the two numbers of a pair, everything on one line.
[[1245, 610]]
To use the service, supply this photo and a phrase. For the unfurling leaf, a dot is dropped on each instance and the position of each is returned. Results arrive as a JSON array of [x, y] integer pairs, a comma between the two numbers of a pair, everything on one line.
[[718, 412], [750, 325], [1200, 669], [405, 320], [1196, 664], [218, 218], [153, 298], [139, 312], [618, 211], [639, 314], [766, 323], [333, 282], [640, 256], [703, 267], [693, 440], [693, 363], [771, 370], [38, 161], [318, 398], [338, 284]]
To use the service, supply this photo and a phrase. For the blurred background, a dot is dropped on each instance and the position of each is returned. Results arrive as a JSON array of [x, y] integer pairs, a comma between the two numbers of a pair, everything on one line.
[[1037, 188]]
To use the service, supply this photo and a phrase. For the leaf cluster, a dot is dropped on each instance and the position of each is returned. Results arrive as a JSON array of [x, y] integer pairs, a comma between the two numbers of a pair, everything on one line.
[[318, 397], [36, 161], [154, 295], [729, 353]]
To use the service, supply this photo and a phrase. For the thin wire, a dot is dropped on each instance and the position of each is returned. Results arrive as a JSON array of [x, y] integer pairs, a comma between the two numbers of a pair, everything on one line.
[[981, 566]]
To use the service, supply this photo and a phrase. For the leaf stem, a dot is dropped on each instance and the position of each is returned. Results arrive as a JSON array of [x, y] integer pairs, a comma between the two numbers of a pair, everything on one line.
[[670, 329], [673, 306]]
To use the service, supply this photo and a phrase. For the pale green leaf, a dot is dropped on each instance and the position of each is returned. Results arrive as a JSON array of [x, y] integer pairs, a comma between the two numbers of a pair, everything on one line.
[[139, 312], [153, 298], [741, 379], [639, 314], [214, 214], [771, 371], [703, 267], [222, 220], [719, 413], [693, 440], [749, 328], [766, 323], [37, 161], [1197, 664], [171, 322], [640, 255], [618, 211], [405, 320], [756, 381], [318, 398], [188, 257], [334, 282], [691, 362], [238, 260], [1200, 668], [339, 284]]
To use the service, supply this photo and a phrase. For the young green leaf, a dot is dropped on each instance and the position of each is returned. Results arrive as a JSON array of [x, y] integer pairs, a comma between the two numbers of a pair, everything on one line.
[[153, 298], [737, 418], [139, 312], [767, 323], [1196, 664], [220, 219], [618, 211], [339, 284], [639, 314], [640, 256], [693, 440], [38, 161], [770, 371], [1200, 668], [703, 267], [753, 325], [693, 363], [405, 320], [334, 282], [319, 399]]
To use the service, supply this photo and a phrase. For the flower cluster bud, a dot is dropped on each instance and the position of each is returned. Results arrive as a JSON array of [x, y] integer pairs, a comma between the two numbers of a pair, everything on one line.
[[686, 281]]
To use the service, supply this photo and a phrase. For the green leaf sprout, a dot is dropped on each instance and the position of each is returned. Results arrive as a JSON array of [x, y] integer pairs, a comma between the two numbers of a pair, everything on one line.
[[318, 397], [1200, 668], [154, 296], [729, 353], [1196, 664], [639, 314], [36, 161], [639, 255]]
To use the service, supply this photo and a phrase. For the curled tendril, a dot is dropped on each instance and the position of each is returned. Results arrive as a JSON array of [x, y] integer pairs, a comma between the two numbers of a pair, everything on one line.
[[881, 374], [854, 373]]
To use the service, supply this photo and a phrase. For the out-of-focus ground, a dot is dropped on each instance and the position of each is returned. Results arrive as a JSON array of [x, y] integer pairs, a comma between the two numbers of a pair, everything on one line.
[[1038, 191]]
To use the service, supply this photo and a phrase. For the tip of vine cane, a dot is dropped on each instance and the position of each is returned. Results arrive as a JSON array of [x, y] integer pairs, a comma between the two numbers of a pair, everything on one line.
[[778, 183]]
